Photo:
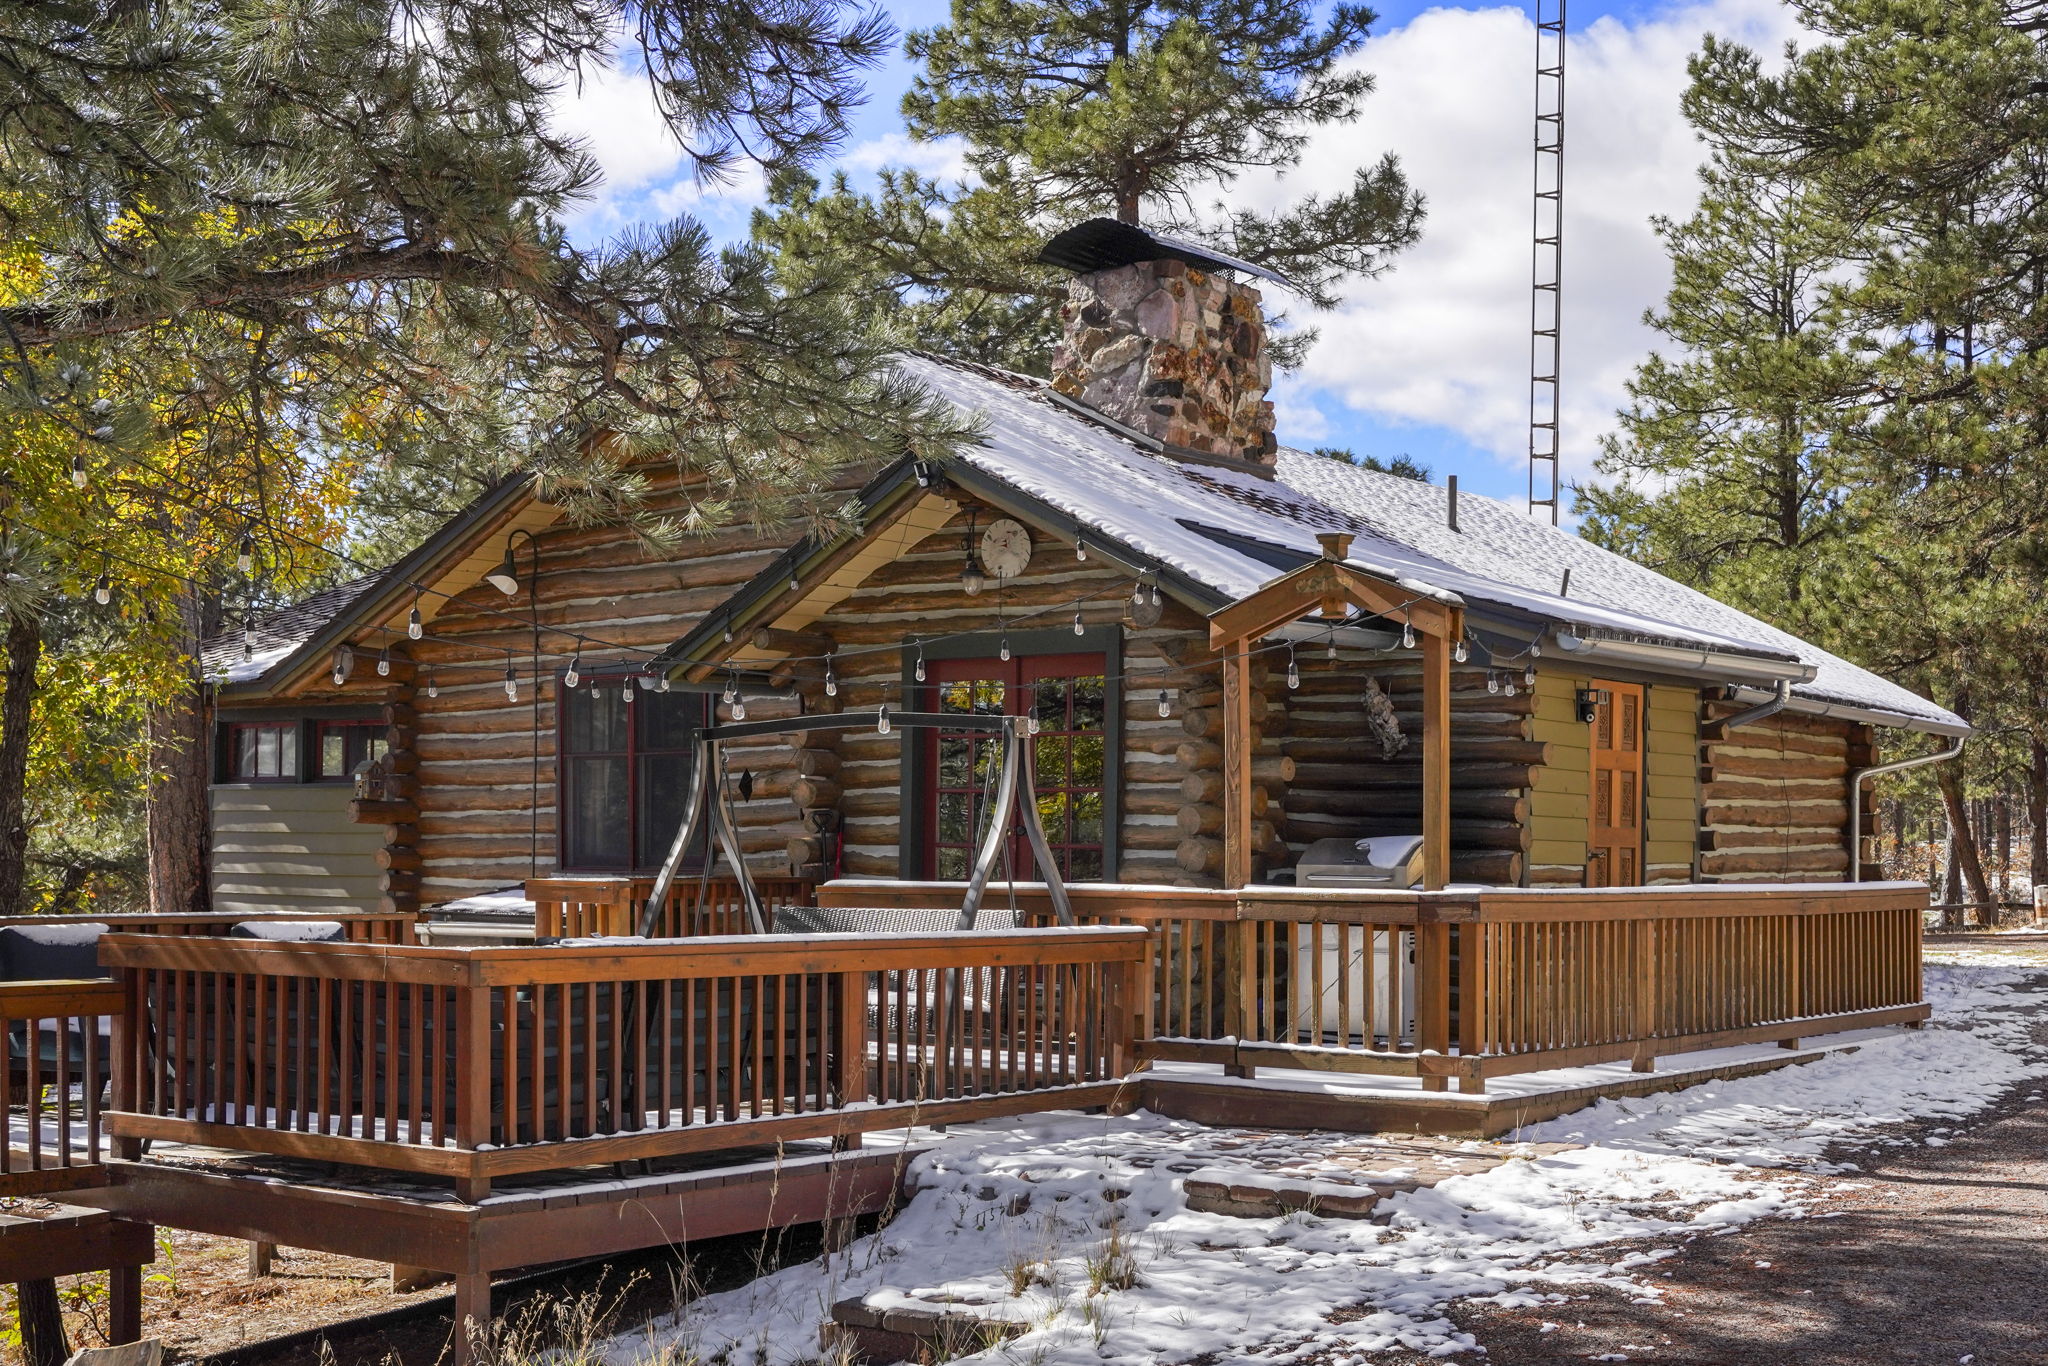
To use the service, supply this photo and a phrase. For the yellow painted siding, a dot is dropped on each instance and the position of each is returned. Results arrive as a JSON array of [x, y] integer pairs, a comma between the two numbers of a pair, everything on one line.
[[1671, 768], [1557, 799], [292, 847]]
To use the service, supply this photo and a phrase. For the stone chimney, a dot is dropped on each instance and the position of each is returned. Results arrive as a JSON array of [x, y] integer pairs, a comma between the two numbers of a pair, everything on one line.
[[1164, 345]]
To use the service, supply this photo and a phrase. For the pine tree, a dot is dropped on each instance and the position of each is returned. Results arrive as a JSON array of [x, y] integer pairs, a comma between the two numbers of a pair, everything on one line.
[[1145, 111]]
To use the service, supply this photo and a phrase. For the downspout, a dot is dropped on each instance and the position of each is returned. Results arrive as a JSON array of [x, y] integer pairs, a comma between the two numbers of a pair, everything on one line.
[[1718, 730], [1863, 775]]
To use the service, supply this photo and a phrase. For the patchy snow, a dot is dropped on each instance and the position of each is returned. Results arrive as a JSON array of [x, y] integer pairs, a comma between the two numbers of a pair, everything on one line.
[[1076, 1226], [69, 935], [291, 931]]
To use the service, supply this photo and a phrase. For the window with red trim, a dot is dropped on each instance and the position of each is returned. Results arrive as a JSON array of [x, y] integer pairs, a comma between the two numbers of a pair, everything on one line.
[[1067, 695], [624, 770], [263, 752], [341, 747]]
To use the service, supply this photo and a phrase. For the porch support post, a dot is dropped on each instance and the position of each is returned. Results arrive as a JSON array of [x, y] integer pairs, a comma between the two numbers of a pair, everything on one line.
[[1237, 764], [1436, 761]]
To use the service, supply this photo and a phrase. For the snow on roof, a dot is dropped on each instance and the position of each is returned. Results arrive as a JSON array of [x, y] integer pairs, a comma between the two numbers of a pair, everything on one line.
[[278, 633], [1196, 521]]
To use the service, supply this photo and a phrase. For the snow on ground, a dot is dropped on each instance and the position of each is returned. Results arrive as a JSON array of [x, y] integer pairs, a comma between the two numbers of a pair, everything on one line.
[[1076, 1225]]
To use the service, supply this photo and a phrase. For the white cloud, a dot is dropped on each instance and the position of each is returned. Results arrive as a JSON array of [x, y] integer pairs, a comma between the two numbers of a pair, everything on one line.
[[942, 159], [1443, 339]]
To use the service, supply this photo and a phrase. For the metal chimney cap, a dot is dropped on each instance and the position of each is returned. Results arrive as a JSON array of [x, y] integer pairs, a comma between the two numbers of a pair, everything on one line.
[[1105, 244]]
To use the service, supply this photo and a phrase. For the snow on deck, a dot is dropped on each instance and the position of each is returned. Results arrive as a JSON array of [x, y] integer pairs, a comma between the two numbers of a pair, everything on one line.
[[1078, 1228]]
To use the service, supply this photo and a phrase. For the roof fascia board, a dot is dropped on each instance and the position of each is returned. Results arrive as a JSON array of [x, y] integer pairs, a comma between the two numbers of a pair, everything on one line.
[[412, 568]]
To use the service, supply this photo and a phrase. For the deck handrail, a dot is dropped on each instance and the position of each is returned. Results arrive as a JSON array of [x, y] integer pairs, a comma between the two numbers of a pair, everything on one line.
[[478, 1062], [568, 906], [56, 1064], [1478, 982]]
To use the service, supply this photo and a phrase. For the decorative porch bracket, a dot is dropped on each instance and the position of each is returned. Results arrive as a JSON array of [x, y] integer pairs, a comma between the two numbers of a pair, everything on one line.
[[1331, 586]]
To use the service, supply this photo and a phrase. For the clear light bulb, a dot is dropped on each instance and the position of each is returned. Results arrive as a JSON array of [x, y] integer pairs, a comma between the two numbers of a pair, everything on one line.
[[574, 675], [794, 584], [103, 591], [341, 678], [1004, 652], [1509, 686], [1153, 595], [1535, 649], [731, 692], [739, 709], [511, 684], [1493, 683], [1529, 678], [384, 664], [882, 721], [415, 627], [78, 475], [1459, 654], [433, 685], [248, 643], [1079, 629], [831, 680], [626, 691], [245, 556], [918, 670], [1165, 703], [1293, 670], [1080, 549], [1407, 636]]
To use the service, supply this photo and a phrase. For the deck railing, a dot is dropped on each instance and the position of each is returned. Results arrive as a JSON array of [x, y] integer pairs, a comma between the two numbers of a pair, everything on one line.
[[359, 927], [59, 1057], [482, 1062], [573, 908], [1473, 984]]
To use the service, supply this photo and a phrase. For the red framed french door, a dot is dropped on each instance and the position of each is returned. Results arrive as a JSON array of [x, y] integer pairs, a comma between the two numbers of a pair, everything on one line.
[[1068, 696]]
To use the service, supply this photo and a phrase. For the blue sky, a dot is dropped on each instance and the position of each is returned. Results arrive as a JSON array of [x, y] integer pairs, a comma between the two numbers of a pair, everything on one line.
[[1431, 359]]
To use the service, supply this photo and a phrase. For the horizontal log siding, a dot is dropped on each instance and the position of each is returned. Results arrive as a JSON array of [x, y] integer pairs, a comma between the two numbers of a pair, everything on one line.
[[1559, 792], [1342, 786], [919, 593], [291, 847], [1775, 799], [1671, 782], [480, 797]]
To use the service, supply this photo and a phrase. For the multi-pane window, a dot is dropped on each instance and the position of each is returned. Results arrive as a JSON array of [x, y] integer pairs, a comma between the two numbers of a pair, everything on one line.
[[625, 771], [341, 747], [263, 752], [1067, 695]]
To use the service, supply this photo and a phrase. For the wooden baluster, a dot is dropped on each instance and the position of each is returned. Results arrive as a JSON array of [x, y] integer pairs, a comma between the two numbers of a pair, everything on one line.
[[850, 1040]]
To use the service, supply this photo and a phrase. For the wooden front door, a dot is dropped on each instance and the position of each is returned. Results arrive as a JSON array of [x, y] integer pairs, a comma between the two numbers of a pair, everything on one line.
[[1614, 842]]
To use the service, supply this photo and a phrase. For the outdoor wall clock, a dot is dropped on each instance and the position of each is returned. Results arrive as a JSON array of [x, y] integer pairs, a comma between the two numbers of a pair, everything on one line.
[[1005, 548]]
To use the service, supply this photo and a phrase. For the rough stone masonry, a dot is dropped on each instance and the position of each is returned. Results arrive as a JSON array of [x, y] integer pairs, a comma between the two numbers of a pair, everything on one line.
[[1176, 352]]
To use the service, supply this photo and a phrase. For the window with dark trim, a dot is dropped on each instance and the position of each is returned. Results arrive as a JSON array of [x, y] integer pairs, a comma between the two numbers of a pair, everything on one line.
[[262, 752], [624, 769], [341, 747], [1068, 696]]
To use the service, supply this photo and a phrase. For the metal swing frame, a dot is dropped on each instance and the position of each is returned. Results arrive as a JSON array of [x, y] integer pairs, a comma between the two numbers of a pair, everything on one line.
[[1016, 800]]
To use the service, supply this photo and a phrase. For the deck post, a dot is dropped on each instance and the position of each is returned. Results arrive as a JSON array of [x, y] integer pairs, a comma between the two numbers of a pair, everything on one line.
[[1237, 764], [472, 1315], [850, 1046], [1436, 761], [1433, 995], [129, 1033], [124, 1304]]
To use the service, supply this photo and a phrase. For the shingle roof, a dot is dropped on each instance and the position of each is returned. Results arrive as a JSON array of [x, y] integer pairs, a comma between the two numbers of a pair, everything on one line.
[[1197, 520], [278, 633]]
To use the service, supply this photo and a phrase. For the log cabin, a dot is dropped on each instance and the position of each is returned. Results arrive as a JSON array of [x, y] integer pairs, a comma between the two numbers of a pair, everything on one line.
[[1604, 725], [1623, 825]]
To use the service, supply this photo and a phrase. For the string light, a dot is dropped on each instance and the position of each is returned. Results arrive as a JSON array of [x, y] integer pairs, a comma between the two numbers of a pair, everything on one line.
[[732, 688], [1079, 629], [575, 672], [1154, 595], [882, 720], [511, 680], [918, 670], [1535, 649], [103, 590], [794, 584], [739, 709], [249, 636], [831, 679], [1165, 704], [661, 681], [245, 555], [626, 689], [433, 684], [1004, 653], [1459, 654], [1492, 682], [340, 671], [79, 478], [1509, 686], [1407, 635], [415, 624], [1293, 669], [1080, 548], [1529, 678], [384, 662]]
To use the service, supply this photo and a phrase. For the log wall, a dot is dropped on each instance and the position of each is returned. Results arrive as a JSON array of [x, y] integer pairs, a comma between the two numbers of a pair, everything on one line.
[[1775, 797]]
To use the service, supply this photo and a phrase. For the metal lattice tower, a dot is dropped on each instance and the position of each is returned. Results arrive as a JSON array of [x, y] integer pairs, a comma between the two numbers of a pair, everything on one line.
[[1546, 261]]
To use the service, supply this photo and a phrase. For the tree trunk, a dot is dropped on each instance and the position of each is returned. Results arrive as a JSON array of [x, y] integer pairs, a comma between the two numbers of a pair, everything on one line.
[[24, 648], [42, 1324], [1962, 844], [178, 780], [2037, 814]]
